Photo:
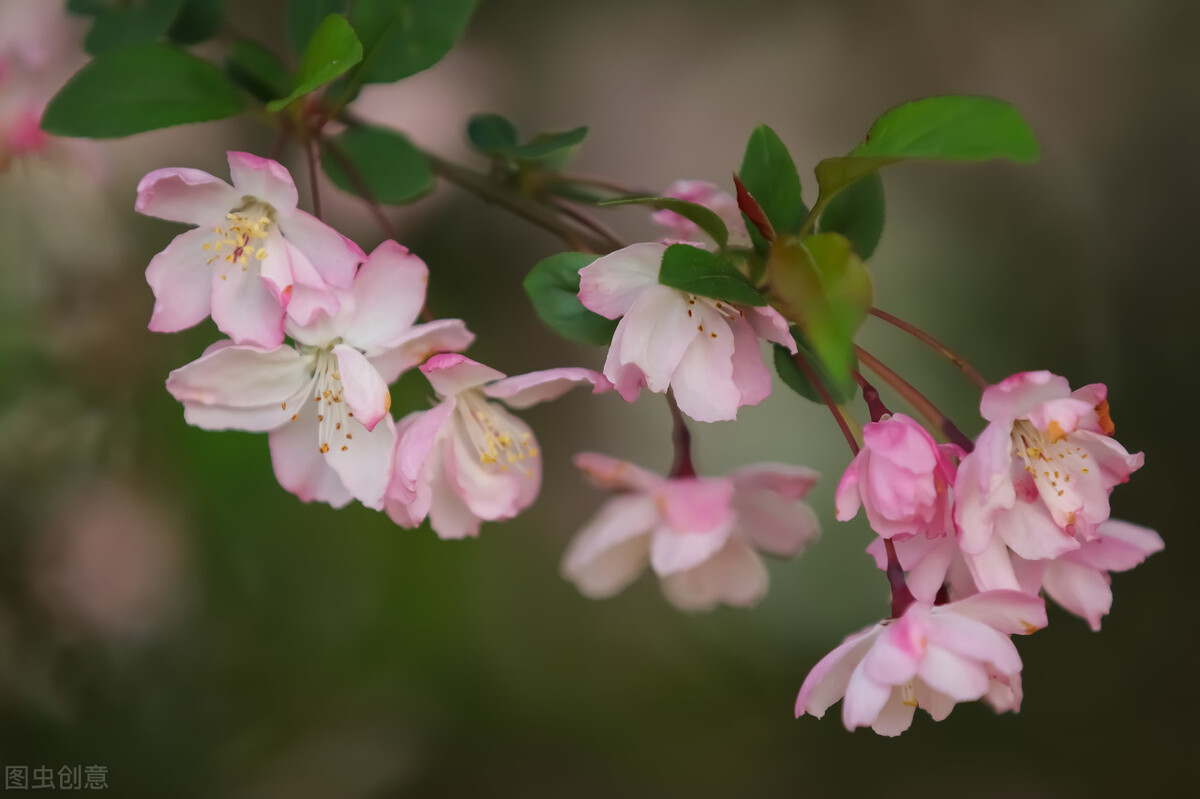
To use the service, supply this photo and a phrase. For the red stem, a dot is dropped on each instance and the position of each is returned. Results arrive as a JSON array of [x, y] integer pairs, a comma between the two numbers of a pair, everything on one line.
[[682, 439], [811, 374], [935, 345], [901, 596]]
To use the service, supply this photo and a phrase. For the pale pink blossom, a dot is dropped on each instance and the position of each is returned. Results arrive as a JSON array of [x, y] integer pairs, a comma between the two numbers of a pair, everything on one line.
[[706, 350], [1079, 580], [712, 197], [1042, 471], [467, 459], [253, 256], [701, 535], [931, 657], [325, 400], [902, 478]]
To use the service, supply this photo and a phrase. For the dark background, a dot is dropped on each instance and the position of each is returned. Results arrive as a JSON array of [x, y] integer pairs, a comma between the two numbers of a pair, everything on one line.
[[168, 611]]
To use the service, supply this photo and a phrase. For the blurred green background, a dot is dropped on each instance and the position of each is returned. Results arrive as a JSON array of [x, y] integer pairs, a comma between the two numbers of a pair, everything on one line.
[[168, 611]]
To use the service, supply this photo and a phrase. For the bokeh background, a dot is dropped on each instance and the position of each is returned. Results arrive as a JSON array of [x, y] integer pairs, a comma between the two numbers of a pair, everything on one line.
[[166, 610]]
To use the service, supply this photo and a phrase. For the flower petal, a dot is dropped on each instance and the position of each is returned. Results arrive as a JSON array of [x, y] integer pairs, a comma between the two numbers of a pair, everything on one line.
[[611, 284], [896, 716], [388, 293], [1014, 397], [703, 381], [1080, 589], [299, 464], [449, 373], [672, 552], [263, 179], [418, 344], [523, 391], [735, 576], [751, 377], [954, 675], [365, 392], [449, 516], [655, 334], [364, 462], [827, 681], [615, 475], [240, 377], [182, 283], [186, 195], [334, 256], [613, 547], [245, 307], [769, 324], [1010, 612]]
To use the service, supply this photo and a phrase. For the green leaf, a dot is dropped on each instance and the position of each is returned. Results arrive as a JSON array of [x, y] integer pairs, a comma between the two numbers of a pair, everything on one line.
[[795, 378], [823, 286], [305, 16], [769, 174], [857, 213], [197, 21], [139, 88], [545, 145], [120, 25], [393, 170], [403, 37], [257, 69], [954, 127], [705, 218], [706, 274], [491, 134], [553, 287], [331, 51], [950, 128]]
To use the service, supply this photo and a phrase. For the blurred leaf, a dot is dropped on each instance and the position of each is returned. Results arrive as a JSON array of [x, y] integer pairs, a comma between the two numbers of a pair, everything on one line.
[[706, 274], [139, 88], [305, 16], [197, 21], [393, 170], [545, 145], [331, 51], [257, 69], [705, 218], [821, 285], [797, 380], [491, 134], [88, 8], [770, 176], [403, 37], [950, 128], [553, 287], [857, 213], [119, 25]]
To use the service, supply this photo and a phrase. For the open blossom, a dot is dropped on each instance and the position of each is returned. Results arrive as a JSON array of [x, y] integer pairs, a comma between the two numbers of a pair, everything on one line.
[[1079, 581], [700, 535], [705, 350], [712, 197], [467, 459], [902, 478], [1041, 472], [325, 400], [253, 256], [931, 657]]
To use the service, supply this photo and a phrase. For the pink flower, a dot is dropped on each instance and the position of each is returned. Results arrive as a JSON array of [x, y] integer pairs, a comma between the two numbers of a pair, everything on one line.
[[1041, 472], [706, 350], [902, 478], [701, 535], [325, 401], [467, 459], [711, 197], [253, 256], [1079, 580], [931, 657]]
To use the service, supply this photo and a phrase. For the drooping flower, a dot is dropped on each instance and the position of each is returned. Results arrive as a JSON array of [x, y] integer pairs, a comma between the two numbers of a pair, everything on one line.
[[712, 197], [701, 535], [253, 256], [1079, 580], [467, 459], [931, 657], [1044, 447], [902, 478], [325, 400], [706, 350]]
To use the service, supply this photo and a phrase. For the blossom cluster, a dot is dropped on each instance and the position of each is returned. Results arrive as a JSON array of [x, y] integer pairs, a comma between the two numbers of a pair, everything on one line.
[[317, 331]]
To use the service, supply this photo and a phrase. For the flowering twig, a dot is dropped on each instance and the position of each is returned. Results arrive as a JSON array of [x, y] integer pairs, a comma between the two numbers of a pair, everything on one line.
[[934, 344], [837, 412], [682, 438], [937, 419]]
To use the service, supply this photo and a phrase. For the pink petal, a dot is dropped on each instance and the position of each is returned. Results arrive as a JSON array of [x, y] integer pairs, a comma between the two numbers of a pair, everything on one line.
[[299, 465], [612, 548], [657, 332], [769, 324], [1010, 612], [848, 497], [1029, 530], [896, 716], [364, 462], [992, 569], [263, 179], [935, 703], [451, 373], [735, 576], [308, 304], [864, 700], [388, 293], [787, 480], [417, 344], [1014, 397], [366, 393], [490, 494], [1119, 546], [827, 681], [751, 377], [182, 283], [245, 308], [449, 516], [672, 552], [610, 285], [256, 419], [773, 522], [958, 677], [240, 377], [703, 380], [523, 391], [984, 486], [899, 650], [421, 431], [186, 195], [974, 640], [615, 475], [1082, 590], [1065, 412], [333, 255], [696, 504], [628, 379]]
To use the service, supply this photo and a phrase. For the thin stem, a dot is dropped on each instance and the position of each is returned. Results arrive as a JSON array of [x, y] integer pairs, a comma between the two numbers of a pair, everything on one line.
[[919, 401], [310, 153], [871, 396], [935, 345], [838, 415], [682, 439], [597, 227], [902, 597], [604, 184]]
